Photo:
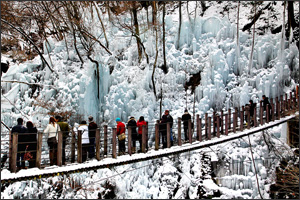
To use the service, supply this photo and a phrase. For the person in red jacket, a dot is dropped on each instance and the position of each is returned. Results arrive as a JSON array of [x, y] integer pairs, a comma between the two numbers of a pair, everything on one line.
[[140, 124], [121, 129]]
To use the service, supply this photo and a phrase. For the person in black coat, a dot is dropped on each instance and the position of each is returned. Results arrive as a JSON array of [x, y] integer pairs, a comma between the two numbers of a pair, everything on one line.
[[32, 142], [134, 135], [185, 118], [163, 126], [92, 136], [265, 102], [20, 129]]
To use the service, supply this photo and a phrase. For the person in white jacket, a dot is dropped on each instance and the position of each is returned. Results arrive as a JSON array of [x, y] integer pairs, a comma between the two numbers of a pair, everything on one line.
[[52, 130], [83, 127]]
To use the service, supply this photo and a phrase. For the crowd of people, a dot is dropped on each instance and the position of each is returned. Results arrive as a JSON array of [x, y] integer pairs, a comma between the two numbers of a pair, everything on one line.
[[27, 137]]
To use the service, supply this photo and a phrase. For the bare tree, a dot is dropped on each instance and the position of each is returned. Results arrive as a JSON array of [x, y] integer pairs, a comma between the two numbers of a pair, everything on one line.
[[179, 28], [252, 48]]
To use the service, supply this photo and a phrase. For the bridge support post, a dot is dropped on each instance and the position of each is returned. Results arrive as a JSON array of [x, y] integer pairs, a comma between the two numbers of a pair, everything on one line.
[[291, 106], [190, 131], [273, 112], [229, 118], [286, 102], [39, 150], [147, 138], [277, 108], [206, 125], [157, 136], [267, 113], [73, 146], [242, 119], [218, 126], [214, 124], [97, 144], [59, 148], [222, 122], [168, 135], [261, 110], [281, 105], [209, 129], [248, 119], [144, 139], [179, 131], [234, 121], [129, 140], [14, 151], [199, 132], [226, 124], [114, 143], [255, 117], [295, 99], [105, 140], [79, 147]]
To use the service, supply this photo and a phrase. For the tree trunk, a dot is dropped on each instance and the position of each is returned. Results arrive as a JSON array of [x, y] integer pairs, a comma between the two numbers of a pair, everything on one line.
[[97, 74], [164, 34], [282, 34], [102, 25], [179, 28], [252, 49], [238, 40], [137, 32]]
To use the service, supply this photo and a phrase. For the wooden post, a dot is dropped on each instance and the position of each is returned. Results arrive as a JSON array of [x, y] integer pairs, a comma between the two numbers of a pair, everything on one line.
[[206, 125], [9, 148], [267, 113], [199, 134], [277, 108], [144, 139], [222, 122], [39, 150], [209, 129], [255, 117], [190, 131], [214, 123], [105, 139], [73, 146], [156, 136], [146, 142], [168, 135], [295, 99], [14, 151], [218, 126], [226, 124], [290, 101], [272, 110], [79, 147], [234, 121], [114, 143], [59, 148], [179, 131], [281, 105], [229, 118], [273, 113], [129, 140], [286, 102], [261, 110], [248, 119], [242, 120], [97, 144]]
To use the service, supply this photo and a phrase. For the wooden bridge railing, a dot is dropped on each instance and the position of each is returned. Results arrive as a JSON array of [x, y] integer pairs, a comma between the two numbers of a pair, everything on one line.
[[215, 124]]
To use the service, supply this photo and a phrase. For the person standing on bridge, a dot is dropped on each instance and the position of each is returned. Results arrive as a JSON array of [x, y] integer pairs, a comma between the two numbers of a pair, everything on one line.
[[32, 139], [92, 135], [65, 128], [265, 102], [132, 124], [140, 123], [52, 130], [20, 129], [166, 118], [120, 132], [185, 118], [83, 127]]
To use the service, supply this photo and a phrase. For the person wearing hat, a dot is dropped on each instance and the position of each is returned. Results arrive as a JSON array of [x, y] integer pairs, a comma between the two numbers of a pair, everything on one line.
[[132, 124], [185, 118], [120, 130], [140, 123], [92, 135], [85, 141], [164, 120], [65, 128]]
